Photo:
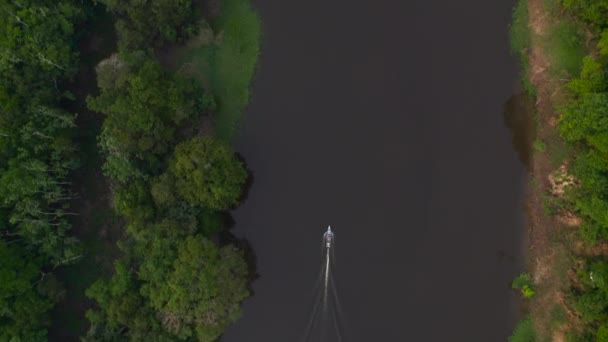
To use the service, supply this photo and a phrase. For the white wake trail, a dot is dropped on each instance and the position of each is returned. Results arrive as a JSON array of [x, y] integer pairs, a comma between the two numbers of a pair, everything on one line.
[[326, 287]]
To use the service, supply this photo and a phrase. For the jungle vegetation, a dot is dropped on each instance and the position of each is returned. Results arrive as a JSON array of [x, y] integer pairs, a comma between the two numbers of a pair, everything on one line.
[[175, 278]]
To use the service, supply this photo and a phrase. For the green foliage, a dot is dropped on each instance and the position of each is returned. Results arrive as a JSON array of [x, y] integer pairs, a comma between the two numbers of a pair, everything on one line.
[[121, 306], [207, 173], [202, 291], [602, 44], [144, 106], [584, 125], [592, 11], [37, 155], [36, 43], [591, 305], [144, 24], [578, 336], [539, 146], [586, 119], [591, 300], [524, 331], [36, 152], [184, 288], [602, 334], [173, 283], [23, 307], [592, 78], [524, 284]]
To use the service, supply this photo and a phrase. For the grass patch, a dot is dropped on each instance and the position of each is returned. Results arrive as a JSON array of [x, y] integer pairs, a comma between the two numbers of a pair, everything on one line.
[[520, 40], [234, 62], [223, 58], [519, 31], [565, 49], [539, 146], [524, 332]]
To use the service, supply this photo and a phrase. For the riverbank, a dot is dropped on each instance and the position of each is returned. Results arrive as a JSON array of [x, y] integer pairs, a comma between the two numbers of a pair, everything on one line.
[[552, 46], [547, 258]]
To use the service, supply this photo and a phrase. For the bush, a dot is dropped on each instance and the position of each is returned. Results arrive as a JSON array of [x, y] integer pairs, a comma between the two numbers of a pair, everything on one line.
[[524, 332], [523, 283]]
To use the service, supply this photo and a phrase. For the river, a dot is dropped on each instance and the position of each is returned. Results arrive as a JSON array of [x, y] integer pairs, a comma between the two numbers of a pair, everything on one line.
[[384, 119]]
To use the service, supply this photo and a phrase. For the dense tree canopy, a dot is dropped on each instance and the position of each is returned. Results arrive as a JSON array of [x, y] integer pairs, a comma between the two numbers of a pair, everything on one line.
[[202, 291], [149, 23], [22, 307], [207, 173], [172, 282], [37, 155], [36, 43], [184, 289], [144, 106]]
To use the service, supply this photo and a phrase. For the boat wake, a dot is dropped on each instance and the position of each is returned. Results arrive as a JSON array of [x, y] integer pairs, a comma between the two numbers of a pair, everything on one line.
[[325, 322]]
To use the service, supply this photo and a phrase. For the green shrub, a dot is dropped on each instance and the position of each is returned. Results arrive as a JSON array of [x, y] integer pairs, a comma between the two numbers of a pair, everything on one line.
[[524, 332], [539, 146], [523, 283]]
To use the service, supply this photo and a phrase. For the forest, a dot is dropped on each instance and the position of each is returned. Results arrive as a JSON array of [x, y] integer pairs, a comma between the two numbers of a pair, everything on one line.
[[169, 177]]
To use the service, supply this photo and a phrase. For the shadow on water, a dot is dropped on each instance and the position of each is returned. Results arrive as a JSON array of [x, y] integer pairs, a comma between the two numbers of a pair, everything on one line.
[[519, 117], [248, 183], [226, 237]]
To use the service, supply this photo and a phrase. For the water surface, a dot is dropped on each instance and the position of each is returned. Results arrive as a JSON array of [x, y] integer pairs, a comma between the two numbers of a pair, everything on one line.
[[384, 119]]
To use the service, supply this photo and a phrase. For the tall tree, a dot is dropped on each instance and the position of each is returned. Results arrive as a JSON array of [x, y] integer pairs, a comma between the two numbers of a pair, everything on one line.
[[207, 173], [202, 291]]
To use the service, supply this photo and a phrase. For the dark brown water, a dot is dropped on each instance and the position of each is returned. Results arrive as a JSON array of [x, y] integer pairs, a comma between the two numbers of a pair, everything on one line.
[[384, 119]]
